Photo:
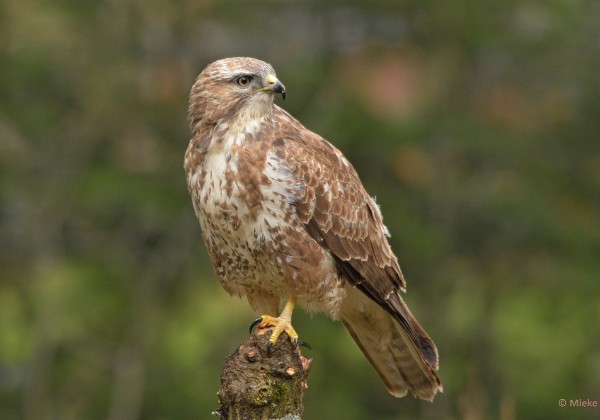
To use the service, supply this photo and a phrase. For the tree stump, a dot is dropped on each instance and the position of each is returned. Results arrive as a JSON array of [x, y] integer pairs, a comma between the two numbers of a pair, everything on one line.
[[256, 384]]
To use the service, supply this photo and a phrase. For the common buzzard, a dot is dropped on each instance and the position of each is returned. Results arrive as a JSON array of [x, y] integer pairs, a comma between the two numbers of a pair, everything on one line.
[[287, 221]]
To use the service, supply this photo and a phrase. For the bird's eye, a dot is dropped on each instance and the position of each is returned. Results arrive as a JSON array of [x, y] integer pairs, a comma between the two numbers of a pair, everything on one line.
[[243, 81]]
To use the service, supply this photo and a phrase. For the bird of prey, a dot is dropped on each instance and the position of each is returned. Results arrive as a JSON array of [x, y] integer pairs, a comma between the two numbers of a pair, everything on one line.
[[287, 221]]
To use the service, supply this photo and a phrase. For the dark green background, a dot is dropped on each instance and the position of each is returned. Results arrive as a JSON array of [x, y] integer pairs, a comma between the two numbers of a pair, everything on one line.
[[475, 123]]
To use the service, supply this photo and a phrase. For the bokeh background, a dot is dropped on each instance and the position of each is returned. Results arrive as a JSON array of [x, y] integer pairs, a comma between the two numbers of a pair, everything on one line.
[[476, 125]]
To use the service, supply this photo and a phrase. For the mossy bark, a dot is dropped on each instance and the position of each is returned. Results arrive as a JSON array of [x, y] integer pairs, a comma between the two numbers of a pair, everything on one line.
[[256, 384]]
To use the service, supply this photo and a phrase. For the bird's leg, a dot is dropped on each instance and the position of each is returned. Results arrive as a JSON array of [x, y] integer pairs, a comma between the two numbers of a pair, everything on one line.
[[280, 324]]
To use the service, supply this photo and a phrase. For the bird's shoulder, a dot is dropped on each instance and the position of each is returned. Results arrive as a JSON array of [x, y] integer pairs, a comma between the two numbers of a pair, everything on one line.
[[333, 204], [311, 156]]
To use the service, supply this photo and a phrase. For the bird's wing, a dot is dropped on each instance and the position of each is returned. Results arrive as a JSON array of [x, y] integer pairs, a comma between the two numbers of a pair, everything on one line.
[[339, 214]]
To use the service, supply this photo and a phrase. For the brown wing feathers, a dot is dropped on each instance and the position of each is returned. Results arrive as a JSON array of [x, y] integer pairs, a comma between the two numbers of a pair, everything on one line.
[[339, 214]]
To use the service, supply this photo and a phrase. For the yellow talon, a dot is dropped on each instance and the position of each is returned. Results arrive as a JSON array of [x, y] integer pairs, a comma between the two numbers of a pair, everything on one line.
[[280, 324]]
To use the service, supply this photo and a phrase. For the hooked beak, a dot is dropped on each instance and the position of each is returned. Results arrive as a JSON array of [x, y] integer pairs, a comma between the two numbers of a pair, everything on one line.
[[274, 85]]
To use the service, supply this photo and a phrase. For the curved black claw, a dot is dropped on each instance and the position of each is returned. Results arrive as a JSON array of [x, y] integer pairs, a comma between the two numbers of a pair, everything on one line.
[[295, 343], [254, 324], [302, 344]]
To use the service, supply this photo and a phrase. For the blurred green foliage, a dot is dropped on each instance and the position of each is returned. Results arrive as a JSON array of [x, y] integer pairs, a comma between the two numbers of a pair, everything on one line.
[[476, 125]]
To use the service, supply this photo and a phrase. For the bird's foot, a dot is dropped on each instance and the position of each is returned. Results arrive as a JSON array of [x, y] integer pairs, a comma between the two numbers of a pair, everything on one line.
[[280, 324]]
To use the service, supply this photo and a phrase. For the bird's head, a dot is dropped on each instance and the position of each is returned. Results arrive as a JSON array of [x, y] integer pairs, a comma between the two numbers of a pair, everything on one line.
[[230, 86]]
